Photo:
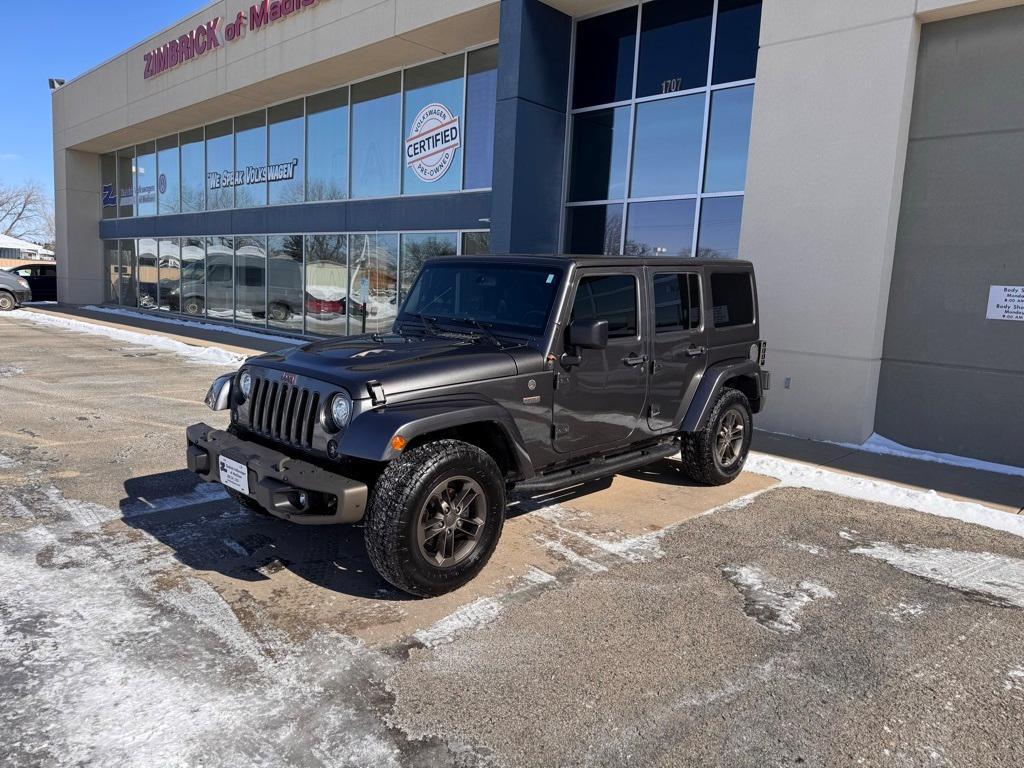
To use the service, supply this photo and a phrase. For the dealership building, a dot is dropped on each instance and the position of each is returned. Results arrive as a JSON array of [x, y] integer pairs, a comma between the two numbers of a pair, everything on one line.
[[289, 165]]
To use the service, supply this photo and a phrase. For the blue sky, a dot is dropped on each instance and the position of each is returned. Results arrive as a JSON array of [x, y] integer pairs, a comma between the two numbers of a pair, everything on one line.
[[63, 38]]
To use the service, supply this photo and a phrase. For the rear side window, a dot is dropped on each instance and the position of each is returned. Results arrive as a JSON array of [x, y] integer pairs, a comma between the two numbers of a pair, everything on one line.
[[676, 302], [732, 299], [608, 297]]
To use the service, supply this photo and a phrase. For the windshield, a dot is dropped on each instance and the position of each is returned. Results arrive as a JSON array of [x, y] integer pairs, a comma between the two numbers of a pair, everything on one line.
[[501, 297]]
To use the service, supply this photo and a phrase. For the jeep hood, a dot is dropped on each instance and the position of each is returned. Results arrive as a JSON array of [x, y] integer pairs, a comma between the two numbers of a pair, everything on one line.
[[399, 363]]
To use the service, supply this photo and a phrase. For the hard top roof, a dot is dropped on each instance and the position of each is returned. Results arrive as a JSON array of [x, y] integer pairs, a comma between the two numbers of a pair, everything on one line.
[[605, 261]]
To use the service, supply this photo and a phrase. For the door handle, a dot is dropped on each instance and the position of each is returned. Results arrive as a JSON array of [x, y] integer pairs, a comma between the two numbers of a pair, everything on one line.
[[634, 360], [696, 351]]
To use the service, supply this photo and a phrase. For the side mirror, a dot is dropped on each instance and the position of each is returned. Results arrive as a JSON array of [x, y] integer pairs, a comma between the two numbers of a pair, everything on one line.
[[589, 334]]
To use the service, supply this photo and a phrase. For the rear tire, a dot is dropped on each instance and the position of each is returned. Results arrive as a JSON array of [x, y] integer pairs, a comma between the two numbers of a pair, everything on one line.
[[7, 302], [435, 517], [193, 307], [716, 455]]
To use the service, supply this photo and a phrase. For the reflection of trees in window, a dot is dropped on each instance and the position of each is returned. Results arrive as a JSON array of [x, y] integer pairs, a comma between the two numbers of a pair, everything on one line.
[[416, 249]]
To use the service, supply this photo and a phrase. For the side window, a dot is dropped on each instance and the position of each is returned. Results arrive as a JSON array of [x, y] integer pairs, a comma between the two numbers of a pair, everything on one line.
[[24, 272], [611, 298], [732, 297], [48, 271], [676, 302]]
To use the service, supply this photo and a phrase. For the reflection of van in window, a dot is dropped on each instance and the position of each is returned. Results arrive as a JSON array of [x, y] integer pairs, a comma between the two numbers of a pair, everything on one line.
[[241, 278]]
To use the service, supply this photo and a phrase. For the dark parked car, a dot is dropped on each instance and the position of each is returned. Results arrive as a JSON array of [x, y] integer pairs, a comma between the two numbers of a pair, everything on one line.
[[14, 290], [42, 280], [500, 373]]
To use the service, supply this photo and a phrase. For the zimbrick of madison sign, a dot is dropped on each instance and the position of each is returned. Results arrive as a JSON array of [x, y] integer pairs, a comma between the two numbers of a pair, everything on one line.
[[211, 34]]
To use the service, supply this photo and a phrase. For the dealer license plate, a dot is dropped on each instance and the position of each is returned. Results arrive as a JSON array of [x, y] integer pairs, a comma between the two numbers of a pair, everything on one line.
[[234, 475]]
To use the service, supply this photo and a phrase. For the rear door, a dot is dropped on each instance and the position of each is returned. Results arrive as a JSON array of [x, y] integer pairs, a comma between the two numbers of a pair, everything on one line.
[[600, 402], [678, 344], [44, 286]]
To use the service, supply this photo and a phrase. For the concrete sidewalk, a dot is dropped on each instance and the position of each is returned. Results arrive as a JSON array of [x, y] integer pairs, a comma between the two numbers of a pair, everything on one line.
[[999, 491], [992, 489]]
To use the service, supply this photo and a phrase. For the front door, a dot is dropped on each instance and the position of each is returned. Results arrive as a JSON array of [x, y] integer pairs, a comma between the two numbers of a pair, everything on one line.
[[678, 345], [600, 399]]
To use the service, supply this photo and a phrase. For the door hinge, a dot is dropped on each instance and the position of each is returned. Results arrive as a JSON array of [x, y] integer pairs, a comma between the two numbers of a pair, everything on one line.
[[376, 391], [561, 380], [559, 430]]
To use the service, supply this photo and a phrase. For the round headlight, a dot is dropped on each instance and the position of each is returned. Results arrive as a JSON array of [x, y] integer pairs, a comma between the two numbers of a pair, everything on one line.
[[341, 410], [245, 382]]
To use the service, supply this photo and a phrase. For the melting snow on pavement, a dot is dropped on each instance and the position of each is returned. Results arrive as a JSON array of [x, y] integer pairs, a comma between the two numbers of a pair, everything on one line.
[[886, 447], [795, 474], [771, 602], [995, 577], [192, 353]]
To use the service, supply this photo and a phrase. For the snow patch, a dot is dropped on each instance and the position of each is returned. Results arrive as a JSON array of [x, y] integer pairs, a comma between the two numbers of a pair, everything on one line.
[[194, 324], [192, 353], [6, 462], [204, 493], [635, 549], [1014, 679], [795, 474], [571, 556], [769, 601], [886, 447], [995, 577], [906, 610], [7, 371]]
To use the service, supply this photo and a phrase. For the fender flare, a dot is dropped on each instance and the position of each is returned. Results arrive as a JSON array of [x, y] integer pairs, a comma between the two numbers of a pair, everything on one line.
[[711, 384], [369, 435]]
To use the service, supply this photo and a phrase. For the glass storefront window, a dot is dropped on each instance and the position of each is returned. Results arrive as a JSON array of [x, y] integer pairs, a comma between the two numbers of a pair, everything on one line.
[[416, 249], [108, 186], [594, 230], [168, 180], [481, 97], [251, 280], [284, 282], [127, 273], [326, 289], [686, 139], [728, 140], [668, 136], [126, 182], [373, 283], [193, 276], [675, 43], [169, 266], [736, 40], [111, 272], [661, 228], [193, 171], [285, 169], [220, 166], [327, 145], [147, 273], [437, 169], [605, 53], [145, 179], [719, 236], [476, 243], [376, 136], [220, 278], [251, 160], [600, 143]]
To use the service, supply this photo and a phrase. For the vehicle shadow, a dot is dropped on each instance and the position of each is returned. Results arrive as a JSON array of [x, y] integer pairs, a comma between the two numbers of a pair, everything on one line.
[[209, 531]]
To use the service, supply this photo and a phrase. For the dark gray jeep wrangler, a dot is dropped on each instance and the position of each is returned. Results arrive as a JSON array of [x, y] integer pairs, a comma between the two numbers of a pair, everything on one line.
[[520, 372]]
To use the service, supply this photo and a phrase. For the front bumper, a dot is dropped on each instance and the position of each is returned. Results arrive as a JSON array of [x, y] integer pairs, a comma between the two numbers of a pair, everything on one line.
[[275, 479], [22, 296]]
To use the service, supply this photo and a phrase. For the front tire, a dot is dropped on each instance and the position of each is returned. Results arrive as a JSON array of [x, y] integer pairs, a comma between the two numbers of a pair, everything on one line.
[[716, 454], [435, 517], [7, 302]]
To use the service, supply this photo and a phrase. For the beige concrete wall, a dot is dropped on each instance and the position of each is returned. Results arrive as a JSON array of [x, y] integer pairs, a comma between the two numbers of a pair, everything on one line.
[[828, 147], [79, 249]]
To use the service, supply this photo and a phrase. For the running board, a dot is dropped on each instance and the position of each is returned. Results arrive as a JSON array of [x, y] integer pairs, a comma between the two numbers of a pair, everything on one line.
[[597, 469]]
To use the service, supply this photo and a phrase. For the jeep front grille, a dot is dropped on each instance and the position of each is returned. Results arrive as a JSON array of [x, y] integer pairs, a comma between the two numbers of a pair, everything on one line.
[[283, 412]]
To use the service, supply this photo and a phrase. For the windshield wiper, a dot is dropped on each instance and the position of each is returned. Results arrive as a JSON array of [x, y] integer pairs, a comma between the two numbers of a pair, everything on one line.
[[486, 332], [429, 323]]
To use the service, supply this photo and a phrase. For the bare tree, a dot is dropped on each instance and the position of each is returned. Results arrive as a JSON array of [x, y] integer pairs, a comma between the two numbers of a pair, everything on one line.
[[25, 212]]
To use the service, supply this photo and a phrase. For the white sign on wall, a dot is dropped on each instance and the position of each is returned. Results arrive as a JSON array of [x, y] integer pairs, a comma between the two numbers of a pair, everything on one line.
[[1006, 302], [430, 148]]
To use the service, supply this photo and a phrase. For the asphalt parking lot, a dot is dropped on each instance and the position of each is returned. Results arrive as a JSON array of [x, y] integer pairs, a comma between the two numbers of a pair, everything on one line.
[[145, 620]]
